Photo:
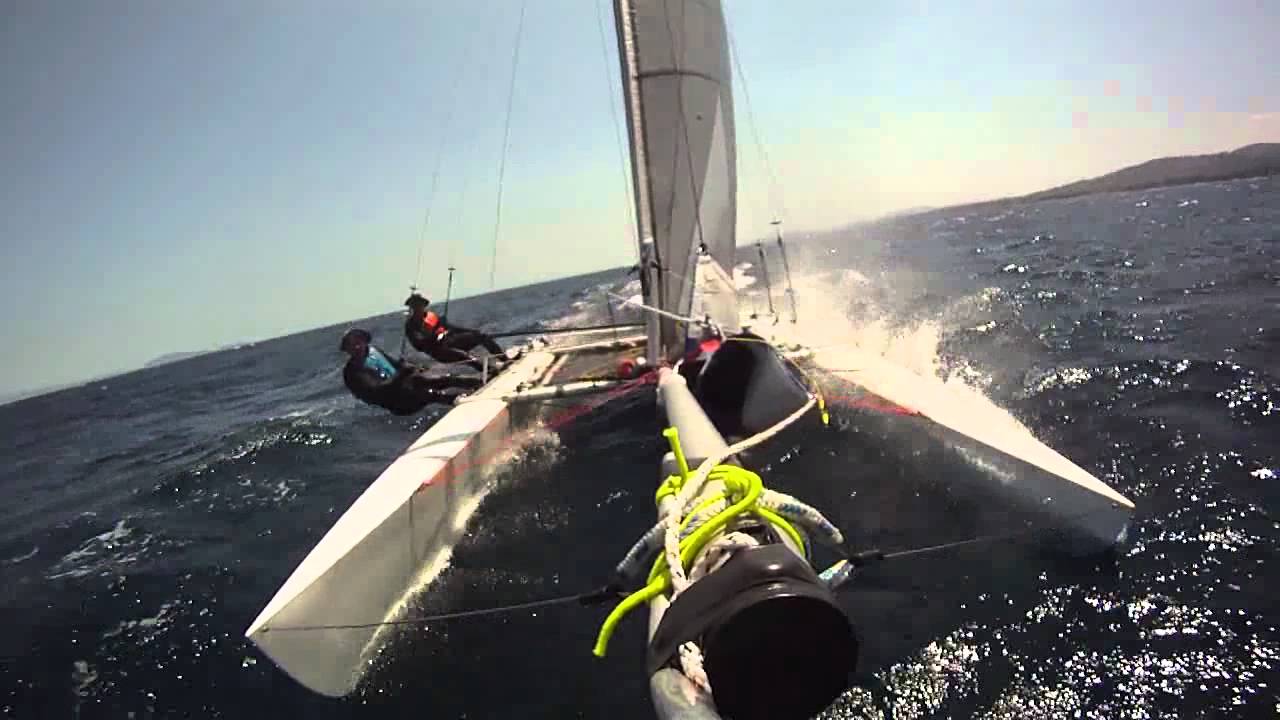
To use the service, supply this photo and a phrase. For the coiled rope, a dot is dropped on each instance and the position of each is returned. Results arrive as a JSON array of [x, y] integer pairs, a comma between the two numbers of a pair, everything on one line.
[[743, 491]]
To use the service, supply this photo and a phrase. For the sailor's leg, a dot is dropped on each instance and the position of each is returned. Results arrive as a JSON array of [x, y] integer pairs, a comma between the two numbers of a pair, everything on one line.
[[492, 345], [446, 353], [437, 383], [461, 339], [464, 339], [414, 395], [467, 382]]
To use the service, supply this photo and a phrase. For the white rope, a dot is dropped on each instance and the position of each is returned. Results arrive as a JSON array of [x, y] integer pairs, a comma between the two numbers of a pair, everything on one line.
[[718, 553], [659, 311], [691, 662]]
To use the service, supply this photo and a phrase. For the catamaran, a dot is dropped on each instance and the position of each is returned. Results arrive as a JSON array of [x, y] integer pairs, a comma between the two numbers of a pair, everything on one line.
[[735, 604]]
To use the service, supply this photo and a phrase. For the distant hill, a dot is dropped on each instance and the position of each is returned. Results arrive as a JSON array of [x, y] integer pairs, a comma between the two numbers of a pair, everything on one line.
[[50, 389], [175, 357], [909, 211], [1249, 161], [165, 359], [24, 394]]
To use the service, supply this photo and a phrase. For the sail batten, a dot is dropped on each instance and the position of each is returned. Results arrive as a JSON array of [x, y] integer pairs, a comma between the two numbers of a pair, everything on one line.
[[665, 73], [679, 101]]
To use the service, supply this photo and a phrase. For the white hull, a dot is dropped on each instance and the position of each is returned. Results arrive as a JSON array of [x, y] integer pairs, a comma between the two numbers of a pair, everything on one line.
[[393, 539], [399, 534], [1003, 457]]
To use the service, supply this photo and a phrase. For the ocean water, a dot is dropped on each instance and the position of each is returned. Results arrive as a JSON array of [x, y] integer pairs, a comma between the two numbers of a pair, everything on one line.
[[149, 517]]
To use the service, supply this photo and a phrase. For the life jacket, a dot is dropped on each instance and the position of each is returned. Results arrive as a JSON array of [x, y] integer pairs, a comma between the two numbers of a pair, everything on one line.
[[377, 362], [432, 323]]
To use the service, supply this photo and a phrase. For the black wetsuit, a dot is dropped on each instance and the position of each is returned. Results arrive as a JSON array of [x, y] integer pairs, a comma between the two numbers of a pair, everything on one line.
[[452, 345], [405, 392]]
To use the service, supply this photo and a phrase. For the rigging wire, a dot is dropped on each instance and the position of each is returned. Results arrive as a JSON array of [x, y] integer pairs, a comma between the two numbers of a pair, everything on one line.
[[431, 193], [463, 185], [617, 134], [469, 143], [435, 174], [858, 559], [775, 190], [871, 556], [446, 127], [662, 313], [482, 612], [506, 138]]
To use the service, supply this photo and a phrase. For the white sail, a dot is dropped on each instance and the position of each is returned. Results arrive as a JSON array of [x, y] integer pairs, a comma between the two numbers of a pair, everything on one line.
[[679, 101]]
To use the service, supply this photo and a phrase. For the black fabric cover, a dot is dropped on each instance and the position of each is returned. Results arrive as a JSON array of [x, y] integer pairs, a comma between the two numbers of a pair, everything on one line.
[[776, 643], [745, 387]]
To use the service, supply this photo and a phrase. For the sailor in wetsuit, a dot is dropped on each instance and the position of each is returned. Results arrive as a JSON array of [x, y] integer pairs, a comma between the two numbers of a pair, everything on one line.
[[402, 388], [427, 333]]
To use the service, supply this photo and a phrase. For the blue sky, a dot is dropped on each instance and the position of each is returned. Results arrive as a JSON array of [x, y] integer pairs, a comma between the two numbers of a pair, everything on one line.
[[187, 174]]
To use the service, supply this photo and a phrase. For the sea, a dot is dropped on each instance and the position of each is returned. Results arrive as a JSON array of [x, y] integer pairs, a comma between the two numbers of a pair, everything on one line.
[[147, 518]]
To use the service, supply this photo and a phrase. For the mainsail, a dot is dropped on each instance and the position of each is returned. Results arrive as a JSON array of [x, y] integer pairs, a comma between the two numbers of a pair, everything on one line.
[[676, 87]]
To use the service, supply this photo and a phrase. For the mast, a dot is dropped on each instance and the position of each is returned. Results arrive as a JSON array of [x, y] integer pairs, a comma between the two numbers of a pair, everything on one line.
[[650, 269]]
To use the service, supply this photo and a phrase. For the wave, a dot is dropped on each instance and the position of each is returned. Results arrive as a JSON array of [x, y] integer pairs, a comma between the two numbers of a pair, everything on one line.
[[593, 305], [21, 558], [250, 467], [111, 551]]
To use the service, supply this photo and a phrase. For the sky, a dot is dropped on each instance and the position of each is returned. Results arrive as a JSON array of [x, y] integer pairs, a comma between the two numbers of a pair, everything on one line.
[[181, 175]]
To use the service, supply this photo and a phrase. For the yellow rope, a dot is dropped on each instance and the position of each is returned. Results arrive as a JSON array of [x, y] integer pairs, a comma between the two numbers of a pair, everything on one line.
[[673, 437], [739, 482], [744, 488]]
